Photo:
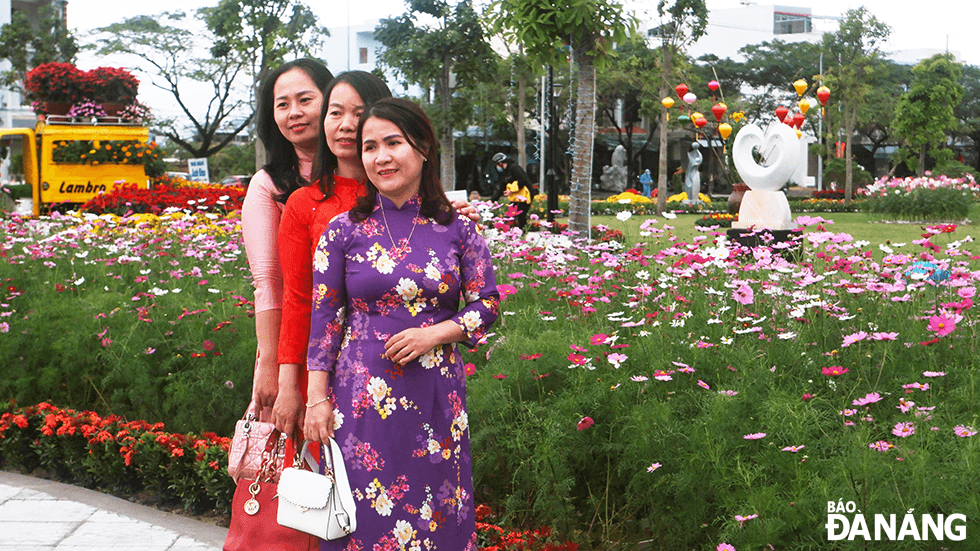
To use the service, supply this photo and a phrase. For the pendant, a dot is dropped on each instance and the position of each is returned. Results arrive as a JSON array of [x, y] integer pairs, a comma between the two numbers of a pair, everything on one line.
[[252, 505]]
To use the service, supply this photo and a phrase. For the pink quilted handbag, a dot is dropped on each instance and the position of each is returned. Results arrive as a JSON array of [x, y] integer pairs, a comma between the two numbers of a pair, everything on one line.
[[253, 442]]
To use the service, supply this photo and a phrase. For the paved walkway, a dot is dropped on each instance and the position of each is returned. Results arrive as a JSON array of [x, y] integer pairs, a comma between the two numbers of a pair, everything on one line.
[[38, 514]]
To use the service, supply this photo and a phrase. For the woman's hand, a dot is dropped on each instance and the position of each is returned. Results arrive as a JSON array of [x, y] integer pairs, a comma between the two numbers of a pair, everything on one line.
[[409, 344], [467, 210], [289, 410], [318, 425], [265, 381]]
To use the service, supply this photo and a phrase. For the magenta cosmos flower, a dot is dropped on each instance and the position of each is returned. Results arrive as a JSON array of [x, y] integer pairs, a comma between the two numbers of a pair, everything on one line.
[[743, 295], [585, 423], [725, 547], [903, 429], [943, 324], [964, 431], [834, 371]]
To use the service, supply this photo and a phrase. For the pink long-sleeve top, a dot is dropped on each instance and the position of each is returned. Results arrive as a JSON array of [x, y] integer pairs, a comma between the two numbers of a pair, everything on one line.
[[260, 231]]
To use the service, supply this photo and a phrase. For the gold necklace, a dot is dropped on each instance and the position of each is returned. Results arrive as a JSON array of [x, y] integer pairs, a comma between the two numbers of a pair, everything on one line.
[[387, 229]]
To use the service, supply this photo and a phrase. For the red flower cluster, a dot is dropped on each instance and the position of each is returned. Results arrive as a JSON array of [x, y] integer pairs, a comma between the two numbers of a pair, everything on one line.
[[66, 83], [492, 537], [128, 198]]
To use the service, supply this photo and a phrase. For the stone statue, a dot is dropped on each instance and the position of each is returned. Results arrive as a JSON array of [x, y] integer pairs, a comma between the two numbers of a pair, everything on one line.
[[614, 176], [692, 181]]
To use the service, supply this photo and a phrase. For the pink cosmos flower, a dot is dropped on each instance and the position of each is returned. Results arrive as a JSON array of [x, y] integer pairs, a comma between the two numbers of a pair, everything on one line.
[[598, 338], [944, 324], [653, 467], [703, 385], [807, 397], [617, 359], [208, 345], [577, 348], [741, 520], [917, 385], [469, 369], [725, 547], [506, 290], [754, 436], [869, 398], [743, 295], [933, 373], [530, 356], [884, 336], [881, 446], [903, 429], [663, 376], [967, 292], [576, 359], [639, 378], [585, 423], [834, 371], [853, 338], [964, 431], [793, 449], [500, 376], [728, 392]]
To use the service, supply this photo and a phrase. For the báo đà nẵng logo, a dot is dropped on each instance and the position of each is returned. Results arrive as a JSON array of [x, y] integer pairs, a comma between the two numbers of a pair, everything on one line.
[[845, 521]]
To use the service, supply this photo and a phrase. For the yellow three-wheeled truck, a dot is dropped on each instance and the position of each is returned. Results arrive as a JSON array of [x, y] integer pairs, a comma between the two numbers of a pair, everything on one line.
[[71, 162]]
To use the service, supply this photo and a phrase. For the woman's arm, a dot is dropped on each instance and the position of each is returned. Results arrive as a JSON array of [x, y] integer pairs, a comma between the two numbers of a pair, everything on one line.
[[260, 224]]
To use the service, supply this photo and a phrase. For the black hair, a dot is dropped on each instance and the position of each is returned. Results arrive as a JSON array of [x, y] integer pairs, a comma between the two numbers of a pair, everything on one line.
[[371, 89], [415, 126], [282, 162]]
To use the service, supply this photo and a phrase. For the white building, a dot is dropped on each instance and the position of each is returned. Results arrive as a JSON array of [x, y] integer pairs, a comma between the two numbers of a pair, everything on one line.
[[354, 48]]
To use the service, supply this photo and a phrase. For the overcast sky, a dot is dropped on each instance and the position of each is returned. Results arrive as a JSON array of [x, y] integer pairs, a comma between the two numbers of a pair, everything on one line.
[[939, 24]]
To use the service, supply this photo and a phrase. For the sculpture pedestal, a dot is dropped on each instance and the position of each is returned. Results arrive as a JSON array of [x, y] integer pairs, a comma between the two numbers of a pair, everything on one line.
[[764, 210]]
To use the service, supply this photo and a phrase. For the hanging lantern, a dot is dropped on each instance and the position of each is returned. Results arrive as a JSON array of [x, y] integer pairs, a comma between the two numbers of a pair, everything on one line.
[[798, 119], [690, 98], [788, 121], [724, 129], [800, 87], [781, 112], [799, 134], [681, 89], [813, 102], [823, 94], [683, 118], [714, 85], [700, 121], [667, 102], [718, 110], [804, 105]]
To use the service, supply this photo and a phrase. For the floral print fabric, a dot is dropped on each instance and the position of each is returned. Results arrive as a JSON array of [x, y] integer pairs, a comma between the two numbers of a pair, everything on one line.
[[403, 430]]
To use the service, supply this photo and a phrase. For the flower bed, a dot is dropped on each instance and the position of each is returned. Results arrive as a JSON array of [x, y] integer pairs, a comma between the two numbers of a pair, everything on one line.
[[721, 220], [921, 199], [96, 152], [117, 456], [165, 197]]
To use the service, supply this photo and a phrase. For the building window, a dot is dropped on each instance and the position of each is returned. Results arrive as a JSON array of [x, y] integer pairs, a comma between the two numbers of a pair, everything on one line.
[[364, 55], [791, 23]]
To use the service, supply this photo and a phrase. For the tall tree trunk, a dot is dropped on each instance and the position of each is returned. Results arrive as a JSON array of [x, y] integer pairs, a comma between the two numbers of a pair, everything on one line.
[[850, 121], [447, 146], [519, 120], [579, 209], [922, 162], [667, 60]]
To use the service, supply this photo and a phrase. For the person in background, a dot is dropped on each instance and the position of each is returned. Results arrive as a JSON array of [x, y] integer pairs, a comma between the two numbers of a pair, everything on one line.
[[515, 185], [386, 378], [647, 182]]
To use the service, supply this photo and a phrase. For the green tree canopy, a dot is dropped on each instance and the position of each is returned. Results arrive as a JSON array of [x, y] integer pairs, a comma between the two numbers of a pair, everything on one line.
[[451, 53], [924, 114], [169, 51], [28, 41], [589, 28]]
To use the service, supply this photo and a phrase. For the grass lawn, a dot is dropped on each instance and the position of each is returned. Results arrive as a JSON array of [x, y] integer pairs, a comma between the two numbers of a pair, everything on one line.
[[860, 225]]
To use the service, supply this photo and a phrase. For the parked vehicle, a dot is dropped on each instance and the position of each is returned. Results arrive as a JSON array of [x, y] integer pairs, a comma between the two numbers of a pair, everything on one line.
[[71, 162], [238, 180]]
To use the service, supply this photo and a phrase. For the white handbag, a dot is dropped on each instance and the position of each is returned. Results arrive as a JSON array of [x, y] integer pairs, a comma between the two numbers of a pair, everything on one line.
[[321, 505]]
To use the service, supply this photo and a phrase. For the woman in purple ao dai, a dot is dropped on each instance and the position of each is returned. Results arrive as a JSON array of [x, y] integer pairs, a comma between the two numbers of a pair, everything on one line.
[[386, 378]]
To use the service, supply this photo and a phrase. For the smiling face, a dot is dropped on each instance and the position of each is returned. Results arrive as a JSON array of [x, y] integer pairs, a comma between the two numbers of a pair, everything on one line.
[[391, 163], [297, 103], [344, 109]]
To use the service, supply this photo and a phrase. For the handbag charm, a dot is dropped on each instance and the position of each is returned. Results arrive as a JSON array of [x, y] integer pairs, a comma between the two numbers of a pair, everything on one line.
[[252, 505]]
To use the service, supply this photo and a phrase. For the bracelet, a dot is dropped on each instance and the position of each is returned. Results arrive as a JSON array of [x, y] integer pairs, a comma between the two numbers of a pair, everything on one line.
[[318, 402]]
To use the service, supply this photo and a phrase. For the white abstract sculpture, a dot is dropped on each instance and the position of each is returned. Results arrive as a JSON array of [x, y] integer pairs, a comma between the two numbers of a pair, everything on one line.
[[763, 205]]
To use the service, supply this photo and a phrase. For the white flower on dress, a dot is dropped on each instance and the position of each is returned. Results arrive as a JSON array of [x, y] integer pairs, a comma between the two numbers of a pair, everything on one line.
[[471, 296], [408, 289], [338, 419], [377, 388], [459, 426], [321, 259], [432, 272], [434, 447], [471, 321], [425, 513], [385, 264], [431, 358], [403, 531], [383, 504]]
